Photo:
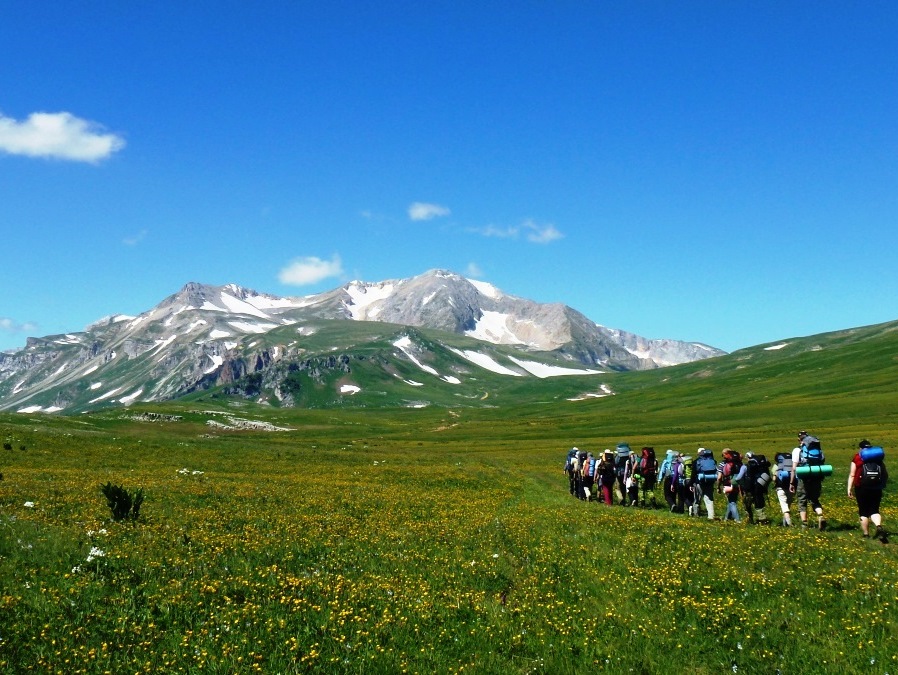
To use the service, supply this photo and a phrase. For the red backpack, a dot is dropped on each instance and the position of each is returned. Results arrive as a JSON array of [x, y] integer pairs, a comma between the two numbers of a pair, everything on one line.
[[648, 465]]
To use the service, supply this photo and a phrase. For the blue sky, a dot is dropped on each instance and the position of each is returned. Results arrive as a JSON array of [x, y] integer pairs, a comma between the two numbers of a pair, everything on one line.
[[723, 172]]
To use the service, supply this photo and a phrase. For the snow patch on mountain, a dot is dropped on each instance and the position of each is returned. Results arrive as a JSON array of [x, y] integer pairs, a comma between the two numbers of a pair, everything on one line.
[[604, 390], [245, 327], [405, 344], [486, 289], [486, 362], [493, 327], [542, 370], [216, 364], [108, 394], [364, 299], [130, 398]]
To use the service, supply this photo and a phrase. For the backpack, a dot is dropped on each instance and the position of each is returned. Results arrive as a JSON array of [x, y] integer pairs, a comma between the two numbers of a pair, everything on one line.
[[872, 475], [606, 465], [620, 460], [591, 467], [783, 467], [705, 467], [759, 470], [757, 465], [811, 452], [730, 467], [667, 465], [648, 465], [873, 469], [677, 473]]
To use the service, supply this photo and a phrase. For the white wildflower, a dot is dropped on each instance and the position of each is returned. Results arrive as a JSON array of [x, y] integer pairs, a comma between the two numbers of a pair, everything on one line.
[[95, 552]]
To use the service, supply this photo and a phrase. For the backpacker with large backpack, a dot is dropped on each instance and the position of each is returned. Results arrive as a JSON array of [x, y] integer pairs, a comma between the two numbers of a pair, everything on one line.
[[621, 457]]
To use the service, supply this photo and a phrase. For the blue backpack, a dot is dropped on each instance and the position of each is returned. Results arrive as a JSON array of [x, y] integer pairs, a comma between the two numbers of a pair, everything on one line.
[[783, 468], [811, 452], [705, 467]]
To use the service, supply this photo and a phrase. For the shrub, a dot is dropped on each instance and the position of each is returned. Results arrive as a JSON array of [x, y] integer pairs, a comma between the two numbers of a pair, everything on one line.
[[123, 504]]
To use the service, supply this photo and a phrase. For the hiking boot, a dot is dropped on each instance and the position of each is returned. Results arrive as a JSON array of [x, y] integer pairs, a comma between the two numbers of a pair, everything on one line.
[[881, 534], [822, 524]]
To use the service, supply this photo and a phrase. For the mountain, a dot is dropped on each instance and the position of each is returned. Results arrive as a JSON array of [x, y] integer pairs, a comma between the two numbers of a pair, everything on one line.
[[284, 349]]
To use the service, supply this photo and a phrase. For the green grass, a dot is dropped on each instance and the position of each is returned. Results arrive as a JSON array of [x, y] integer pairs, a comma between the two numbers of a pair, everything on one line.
[[443, 539]]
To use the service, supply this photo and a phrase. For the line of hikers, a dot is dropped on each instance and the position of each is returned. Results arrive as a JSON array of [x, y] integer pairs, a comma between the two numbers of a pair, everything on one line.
[[688, 483]]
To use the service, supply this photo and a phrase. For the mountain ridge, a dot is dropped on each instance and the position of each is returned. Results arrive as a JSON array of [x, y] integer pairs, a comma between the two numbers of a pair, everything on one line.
[[204, 336]]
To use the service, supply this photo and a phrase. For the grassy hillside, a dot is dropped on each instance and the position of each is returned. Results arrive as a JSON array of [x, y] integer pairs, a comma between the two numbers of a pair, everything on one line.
[[443, 539]]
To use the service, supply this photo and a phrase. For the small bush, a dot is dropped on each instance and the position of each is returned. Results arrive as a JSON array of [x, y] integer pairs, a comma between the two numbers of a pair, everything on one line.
[[123, 504]]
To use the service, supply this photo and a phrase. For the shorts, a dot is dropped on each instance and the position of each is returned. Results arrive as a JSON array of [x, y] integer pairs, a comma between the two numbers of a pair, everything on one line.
[[868, 501]]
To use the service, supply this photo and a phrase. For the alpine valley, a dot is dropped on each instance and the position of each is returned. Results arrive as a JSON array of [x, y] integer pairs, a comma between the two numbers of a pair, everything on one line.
[[434, 339]]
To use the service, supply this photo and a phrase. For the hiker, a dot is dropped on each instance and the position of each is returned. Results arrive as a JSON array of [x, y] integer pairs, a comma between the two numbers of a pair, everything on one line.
[[648, 474], [704, 476], [665, 475], [680, 484], [782, 479], [589, 474], [570, 470], [807, 477], [867, 478], [621, 457], [607, 476], [632, 478], [581, 467], [576, 468], [754, 484], [728, 472]]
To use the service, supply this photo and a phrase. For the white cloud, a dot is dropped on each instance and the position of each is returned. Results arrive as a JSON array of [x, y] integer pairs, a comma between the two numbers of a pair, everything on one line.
[[499, 232], [9, 326], [541, 234], [310, 270], [531, 231], [58, 136], [135, 239], [423, 211], [473, 270]]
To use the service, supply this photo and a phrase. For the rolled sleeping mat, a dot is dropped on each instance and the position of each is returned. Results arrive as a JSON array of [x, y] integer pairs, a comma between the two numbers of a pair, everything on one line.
[[764, 479], [819, 470], [872, 454]]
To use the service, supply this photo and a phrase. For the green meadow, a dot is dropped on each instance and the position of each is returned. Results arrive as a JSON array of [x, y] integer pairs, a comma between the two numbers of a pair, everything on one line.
[[443, 539]]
